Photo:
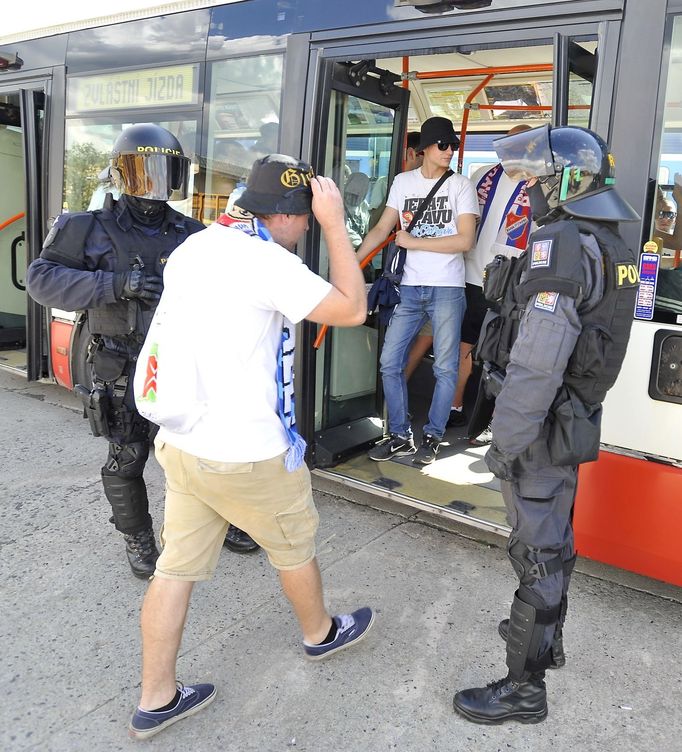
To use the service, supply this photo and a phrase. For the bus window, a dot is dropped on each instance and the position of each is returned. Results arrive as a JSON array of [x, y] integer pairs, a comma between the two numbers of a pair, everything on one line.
[[665, 226], [243, 124]]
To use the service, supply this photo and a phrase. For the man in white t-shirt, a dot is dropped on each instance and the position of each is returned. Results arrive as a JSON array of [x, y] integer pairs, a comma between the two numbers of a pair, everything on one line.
[[432, 287], [505, 226], [237, 455]]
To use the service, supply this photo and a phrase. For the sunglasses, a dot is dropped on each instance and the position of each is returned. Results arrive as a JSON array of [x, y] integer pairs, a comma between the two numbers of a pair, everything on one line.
[[661, 214], [444, 147]]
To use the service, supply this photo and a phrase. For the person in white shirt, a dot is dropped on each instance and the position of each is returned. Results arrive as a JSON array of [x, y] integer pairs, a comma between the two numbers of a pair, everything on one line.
[[232, 452], [432, 286]]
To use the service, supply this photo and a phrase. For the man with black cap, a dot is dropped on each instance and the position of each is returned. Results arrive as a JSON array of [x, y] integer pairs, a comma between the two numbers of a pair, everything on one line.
[[240, 457], [552, 353], [432, 287]]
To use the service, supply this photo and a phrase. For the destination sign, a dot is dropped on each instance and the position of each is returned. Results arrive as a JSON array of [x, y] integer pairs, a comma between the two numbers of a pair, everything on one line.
[[151, 87]]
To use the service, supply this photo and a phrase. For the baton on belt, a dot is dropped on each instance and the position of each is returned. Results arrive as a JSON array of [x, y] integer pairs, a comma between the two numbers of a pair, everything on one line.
[[492, 379], [365, 262]]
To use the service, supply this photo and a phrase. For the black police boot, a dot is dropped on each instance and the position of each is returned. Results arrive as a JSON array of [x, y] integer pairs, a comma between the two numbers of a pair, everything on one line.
[[142, 553], [504, 700], [239, 541], [557, 649]]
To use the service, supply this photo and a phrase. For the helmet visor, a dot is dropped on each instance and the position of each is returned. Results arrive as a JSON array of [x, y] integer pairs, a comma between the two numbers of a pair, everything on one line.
[[159, 177], [527, 154]]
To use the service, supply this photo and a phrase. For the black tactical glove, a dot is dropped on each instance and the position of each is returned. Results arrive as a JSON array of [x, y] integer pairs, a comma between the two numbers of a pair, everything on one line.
[[499, 463], [137, 284]]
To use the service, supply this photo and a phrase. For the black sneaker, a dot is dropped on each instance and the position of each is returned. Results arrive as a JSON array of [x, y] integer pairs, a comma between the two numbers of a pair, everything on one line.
[[457, 418], [393, 446], [142, 553], [239, 541], [427, 451]]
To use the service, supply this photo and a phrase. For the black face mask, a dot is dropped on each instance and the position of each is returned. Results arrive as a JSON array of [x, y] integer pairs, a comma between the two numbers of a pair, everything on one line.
[[145, 211], [539, 207]]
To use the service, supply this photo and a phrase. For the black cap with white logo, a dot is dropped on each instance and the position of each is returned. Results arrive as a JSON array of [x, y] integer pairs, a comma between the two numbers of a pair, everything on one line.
[[278, 184]]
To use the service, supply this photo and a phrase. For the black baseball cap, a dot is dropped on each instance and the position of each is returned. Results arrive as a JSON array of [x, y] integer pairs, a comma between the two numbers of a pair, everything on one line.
[[278, 184], [437, 130]]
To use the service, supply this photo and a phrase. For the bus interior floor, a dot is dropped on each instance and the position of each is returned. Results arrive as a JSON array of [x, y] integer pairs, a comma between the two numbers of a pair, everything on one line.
[[458, 479], [13, 357]]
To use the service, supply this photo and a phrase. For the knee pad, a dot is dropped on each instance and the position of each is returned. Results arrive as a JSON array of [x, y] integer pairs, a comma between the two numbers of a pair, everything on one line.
[[126, 460], [527, 569]]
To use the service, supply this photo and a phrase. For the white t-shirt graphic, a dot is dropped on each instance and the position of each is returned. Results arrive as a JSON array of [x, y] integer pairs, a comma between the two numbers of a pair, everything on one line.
[[456, 196]]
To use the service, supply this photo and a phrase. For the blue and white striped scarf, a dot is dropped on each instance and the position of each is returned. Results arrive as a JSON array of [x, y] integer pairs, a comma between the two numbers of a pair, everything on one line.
[[286, 407]]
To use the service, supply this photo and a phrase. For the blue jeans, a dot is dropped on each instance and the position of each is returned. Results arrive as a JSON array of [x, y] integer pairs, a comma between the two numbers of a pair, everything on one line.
[[445, 307]]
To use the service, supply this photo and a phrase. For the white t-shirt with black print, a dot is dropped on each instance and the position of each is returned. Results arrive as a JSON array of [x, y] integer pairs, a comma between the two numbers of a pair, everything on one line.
[[456, 196]]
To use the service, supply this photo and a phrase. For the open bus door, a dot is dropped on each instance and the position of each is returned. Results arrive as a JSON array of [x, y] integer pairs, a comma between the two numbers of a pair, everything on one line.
[[22, 115], [361, 131]]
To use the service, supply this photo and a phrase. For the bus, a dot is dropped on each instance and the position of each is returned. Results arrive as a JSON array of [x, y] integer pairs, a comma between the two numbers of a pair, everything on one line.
[[340, 85]]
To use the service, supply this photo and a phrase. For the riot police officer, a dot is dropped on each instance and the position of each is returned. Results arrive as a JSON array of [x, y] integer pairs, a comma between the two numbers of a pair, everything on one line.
[[110, 263], [551, 350]]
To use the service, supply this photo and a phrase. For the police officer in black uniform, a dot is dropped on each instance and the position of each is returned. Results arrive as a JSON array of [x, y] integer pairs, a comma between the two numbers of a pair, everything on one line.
[[110, 263], [551, 350]]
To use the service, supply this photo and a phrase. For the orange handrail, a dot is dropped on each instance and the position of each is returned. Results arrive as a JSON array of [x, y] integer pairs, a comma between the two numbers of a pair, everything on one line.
[[465, 120], [468, 72], [323, 329], [9, 221]]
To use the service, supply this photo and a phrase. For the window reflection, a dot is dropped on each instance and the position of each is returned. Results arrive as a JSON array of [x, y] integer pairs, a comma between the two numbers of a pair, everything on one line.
[[243, 125]]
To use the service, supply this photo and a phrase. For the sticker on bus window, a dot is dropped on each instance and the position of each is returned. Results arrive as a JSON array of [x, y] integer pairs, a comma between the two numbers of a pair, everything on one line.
[[648, 276]]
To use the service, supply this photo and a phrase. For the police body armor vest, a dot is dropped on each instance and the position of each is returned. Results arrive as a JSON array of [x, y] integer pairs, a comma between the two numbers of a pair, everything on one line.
[[553, 263], [127, 319]]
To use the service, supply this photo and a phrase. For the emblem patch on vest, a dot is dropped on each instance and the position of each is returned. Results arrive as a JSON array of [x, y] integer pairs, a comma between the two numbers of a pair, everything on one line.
[[546, 301], [540, 254], [626, 275]]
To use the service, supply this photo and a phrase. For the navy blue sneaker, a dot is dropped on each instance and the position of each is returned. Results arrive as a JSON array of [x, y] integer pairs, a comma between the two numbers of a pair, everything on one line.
[[351, 628], [146, 723]]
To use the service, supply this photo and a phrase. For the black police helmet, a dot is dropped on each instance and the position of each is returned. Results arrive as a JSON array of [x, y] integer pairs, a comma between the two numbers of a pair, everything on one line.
[[147, 161], [278, 184], [585, 171], [574, 167]]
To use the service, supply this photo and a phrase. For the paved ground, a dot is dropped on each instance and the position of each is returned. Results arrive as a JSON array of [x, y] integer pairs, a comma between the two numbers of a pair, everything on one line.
[[69, 628]]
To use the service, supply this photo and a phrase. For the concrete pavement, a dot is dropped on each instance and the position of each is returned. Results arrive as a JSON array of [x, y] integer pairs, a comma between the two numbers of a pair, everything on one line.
[[70, 640]]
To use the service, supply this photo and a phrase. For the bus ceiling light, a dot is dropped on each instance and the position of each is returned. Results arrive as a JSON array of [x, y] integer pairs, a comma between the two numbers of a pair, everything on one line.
[[10, 61], [443, 6]]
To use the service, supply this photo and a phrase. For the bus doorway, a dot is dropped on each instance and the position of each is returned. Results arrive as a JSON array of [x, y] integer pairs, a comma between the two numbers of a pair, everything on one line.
[[485, 91], [21, 130], [361, 145]]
